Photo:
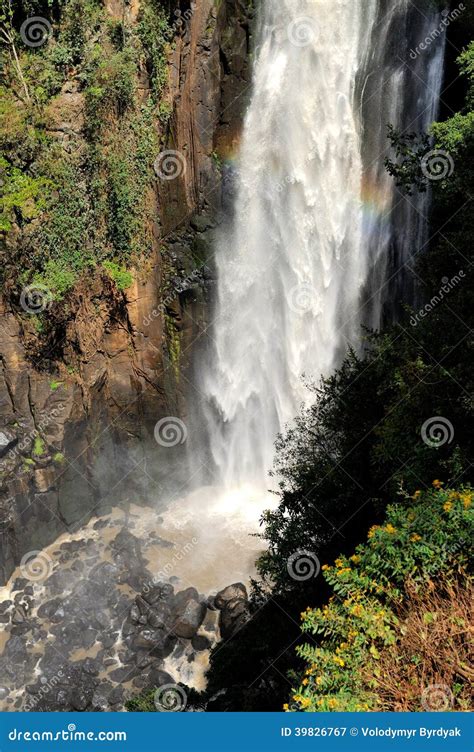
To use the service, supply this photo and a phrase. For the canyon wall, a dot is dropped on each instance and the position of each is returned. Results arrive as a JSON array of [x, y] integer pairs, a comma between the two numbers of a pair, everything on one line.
[[77, 410]]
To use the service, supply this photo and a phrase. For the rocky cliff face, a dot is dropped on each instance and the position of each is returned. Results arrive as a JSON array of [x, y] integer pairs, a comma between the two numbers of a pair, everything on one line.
[[78, 406]]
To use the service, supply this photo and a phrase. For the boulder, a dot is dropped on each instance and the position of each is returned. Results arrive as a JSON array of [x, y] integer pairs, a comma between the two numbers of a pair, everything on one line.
[[230, 593], [190, 619]]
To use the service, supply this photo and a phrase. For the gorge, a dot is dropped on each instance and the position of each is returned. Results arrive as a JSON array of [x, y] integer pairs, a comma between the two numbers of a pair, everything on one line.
[[279, 239]]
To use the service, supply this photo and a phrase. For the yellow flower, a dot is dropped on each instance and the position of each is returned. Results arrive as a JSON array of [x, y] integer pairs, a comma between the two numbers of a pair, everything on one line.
[[416, 495], [355, 559], [339, 563], [448, 506], [373, 530], [466, 500], [285, 706], [415, 537], [305, 702], [305, 682], [319, 680], [357, 610], [325, 567], [438, 483], [390, 529]]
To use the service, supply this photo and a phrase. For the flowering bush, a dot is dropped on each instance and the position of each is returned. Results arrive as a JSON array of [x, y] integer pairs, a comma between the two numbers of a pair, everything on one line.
[[428, 537]]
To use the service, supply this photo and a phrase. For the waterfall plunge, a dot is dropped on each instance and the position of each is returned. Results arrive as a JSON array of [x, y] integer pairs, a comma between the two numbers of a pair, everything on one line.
[[317, 225]]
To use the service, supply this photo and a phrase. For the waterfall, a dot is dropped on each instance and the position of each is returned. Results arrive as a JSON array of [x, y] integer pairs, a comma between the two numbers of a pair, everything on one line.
[[317, 224]]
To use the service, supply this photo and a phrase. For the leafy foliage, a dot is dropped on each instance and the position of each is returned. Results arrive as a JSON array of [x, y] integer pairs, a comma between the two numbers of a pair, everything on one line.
[[83, 201], [417, 542]]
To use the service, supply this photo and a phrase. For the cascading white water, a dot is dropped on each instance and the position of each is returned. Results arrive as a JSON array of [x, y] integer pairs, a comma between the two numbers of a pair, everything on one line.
[[318, 224], [291, 267]]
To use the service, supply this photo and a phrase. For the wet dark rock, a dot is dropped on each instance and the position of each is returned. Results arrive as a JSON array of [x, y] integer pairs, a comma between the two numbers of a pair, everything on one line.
[[46, 610], [20, 583], [189, 619], [4, 606], [116, 696], [100, 524], [149, 639], [100, 698], [159, 592], [19, 615], [107, 639], [91, 666], [211, 603], [201, 223], [89, 637], [231, 592], [134, 614], [160, 616], [182, 598], [143, 660], [81, 697], [61, 581], [128, 627], [233, 617], [200, 642], [123, 674]]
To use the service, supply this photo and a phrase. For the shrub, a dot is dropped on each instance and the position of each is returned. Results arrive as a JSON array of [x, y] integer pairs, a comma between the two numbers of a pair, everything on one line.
[[119, 274], [429, 537]]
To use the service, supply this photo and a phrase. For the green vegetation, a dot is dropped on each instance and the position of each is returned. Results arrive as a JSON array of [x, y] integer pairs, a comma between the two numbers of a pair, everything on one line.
[[119, 274], [83, 201], [39, 447], [428, 536]]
